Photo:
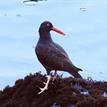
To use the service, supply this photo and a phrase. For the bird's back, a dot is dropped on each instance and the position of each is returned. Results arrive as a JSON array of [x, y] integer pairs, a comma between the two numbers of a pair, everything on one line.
[[53, 57]]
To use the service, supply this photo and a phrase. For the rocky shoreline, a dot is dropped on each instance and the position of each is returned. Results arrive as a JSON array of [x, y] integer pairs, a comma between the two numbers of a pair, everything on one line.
[[63, 92]]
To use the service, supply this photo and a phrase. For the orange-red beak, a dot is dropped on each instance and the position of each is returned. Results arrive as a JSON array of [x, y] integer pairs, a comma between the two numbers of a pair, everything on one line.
[[58, 31]]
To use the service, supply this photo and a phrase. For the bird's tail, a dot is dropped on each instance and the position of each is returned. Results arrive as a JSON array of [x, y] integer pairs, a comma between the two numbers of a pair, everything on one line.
[[79, 69], [75, 73]]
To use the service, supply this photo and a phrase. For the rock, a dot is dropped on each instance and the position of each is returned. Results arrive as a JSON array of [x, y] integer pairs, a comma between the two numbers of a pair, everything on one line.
[[63, 92]]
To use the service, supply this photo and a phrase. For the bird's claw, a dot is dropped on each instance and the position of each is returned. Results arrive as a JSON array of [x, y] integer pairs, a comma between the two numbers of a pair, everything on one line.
[[53, 79], [42, 90], [46, 85]]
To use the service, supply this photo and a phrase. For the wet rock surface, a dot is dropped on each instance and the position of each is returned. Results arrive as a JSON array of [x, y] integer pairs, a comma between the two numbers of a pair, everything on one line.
[[62, 92]]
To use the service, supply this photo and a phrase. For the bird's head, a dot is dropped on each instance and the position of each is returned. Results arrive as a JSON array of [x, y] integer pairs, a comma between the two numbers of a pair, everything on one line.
[[47, 26]]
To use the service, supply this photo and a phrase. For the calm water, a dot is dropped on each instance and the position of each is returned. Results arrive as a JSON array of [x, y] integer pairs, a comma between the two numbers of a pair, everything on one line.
[[83, 21]]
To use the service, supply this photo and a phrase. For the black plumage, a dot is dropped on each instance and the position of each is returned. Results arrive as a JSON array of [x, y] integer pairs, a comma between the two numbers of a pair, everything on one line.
[[51, 55]]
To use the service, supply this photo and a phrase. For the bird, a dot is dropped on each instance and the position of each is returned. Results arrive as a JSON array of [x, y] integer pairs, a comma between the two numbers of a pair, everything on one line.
[[51, 55]]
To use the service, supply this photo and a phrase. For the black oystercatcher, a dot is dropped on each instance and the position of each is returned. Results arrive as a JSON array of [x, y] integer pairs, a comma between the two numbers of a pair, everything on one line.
[[51, 55]]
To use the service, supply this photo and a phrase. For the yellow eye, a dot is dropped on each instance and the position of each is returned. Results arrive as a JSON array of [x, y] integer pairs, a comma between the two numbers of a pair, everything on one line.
[[48, 24]]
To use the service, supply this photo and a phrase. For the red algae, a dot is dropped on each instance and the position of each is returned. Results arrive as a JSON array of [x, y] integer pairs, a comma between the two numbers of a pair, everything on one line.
[[63, 92]]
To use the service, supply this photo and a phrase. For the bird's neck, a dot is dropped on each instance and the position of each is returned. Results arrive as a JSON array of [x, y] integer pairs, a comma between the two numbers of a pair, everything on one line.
[[46, 36]]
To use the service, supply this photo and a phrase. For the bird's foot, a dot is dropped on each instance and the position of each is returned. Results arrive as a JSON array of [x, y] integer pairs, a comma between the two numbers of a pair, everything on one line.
[[46, 85], [42, 90], [53, 78]]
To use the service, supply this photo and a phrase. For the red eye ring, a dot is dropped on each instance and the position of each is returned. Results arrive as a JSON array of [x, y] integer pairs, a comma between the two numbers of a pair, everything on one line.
[[48, 24]]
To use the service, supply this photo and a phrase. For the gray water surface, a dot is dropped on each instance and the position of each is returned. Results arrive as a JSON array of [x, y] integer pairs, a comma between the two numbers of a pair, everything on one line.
[[83, 21]]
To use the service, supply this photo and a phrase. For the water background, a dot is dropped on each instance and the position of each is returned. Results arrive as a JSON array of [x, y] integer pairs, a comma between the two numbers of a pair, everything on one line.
[[83, 21]]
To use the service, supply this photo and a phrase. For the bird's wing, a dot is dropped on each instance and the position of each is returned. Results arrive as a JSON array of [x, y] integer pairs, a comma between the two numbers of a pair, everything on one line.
[[53, 56], [60, 57]]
